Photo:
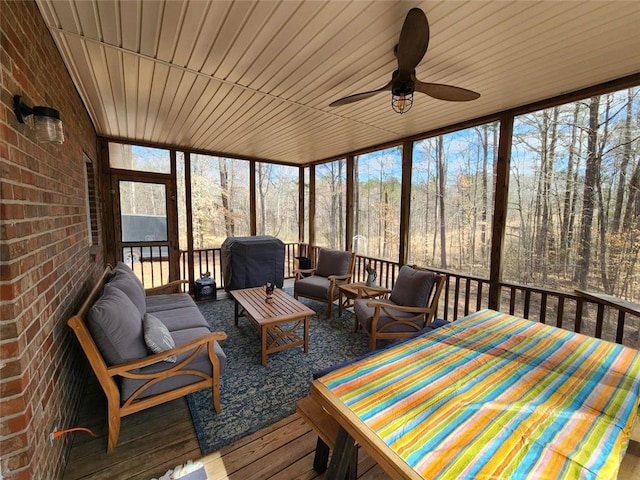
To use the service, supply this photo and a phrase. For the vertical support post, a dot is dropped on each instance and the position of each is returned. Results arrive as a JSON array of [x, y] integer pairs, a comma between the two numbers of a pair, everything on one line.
[[189, 212], [172, 221], [405, 201], [499, 221], [106, 202], [348, 228], [312, 206], [253, 225], [301, 219]]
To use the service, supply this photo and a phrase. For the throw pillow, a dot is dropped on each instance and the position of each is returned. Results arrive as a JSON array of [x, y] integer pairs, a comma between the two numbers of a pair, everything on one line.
[[157, 336]]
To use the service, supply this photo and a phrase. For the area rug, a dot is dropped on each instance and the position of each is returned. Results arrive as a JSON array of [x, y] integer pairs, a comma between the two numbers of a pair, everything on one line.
[[252, 396]]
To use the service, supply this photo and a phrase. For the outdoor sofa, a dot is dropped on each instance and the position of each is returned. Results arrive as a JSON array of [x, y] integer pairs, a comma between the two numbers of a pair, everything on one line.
[[146, 347]]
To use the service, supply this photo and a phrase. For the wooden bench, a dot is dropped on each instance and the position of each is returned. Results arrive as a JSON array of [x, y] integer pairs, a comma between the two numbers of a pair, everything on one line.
[[327, 429]]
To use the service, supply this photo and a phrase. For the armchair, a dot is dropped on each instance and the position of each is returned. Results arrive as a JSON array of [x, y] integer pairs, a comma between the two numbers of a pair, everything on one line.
[[332, 267], [411, 306]]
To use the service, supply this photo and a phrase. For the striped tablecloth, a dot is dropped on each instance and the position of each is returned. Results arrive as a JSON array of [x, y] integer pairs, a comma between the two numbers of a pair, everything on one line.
[[496, 396]]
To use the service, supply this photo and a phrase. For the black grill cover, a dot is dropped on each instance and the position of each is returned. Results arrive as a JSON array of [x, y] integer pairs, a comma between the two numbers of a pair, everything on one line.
[[252, 262]]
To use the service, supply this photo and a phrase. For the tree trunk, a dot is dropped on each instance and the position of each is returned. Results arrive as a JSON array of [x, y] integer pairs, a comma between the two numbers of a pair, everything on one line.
[[484, 193], [441, 192], [567, 211], [583, 259], [224, 196], [624, 163]]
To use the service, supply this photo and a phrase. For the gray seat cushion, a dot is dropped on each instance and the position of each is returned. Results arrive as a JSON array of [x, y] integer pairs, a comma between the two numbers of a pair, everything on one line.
[[364, 314], [182, 318], [333, 262], [125, 280], [115, 324], [313, 286], [412, 287], [200, 363], [155, 303]]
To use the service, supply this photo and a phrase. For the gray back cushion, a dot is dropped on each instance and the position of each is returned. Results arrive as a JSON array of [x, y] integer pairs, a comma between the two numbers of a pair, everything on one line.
[[333, 262], [128, 282], [412, 287], [115, 324]]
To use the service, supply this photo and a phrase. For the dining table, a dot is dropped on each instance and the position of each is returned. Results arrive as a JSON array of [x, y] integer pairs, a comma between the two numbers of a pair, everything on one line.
[[489, 396]]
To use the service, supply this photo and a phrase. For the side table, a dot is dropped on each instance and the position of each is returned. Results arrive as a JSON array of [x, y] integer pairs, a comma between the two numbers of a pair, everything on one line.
[[352, 291]]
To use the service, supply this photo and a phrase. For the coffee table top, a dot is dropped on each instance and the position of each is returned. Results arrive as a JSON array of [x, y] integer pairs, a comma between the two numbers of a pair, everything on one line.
[[282, 308]]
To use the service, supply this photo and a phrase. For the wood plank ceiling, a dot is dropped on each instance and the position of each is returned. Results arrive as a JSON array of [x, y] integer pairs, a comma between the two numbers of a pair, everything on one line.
[[254, 78]]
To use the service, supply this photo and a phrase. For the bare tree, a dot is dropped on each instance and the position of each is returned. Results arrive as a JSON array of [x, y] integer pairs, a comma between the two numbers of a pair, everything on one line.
[[591, 175], [224, 197], [442, 174]]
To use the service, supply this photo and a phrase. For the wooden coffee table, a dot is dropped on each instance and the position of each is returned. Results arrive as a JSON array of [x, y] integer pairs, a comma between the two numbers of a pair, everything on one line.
[[351, 291], [279, 322]]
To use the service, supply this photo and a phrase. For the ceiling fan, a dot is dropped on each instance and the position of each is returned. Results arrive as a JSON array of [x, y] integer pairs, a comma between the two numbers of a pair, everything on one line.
[[411, 47]]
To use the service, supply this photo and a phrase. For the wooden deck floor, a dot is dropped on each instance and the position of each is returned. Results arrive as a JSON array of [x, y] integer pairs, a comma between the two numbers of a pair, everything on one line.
[[156, 440], [153, 441]]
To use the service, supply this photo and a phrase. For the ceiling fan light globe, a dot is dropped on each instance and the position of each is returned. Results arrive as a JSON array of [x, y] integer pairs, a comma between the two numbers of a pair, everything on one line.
[[402, 103]]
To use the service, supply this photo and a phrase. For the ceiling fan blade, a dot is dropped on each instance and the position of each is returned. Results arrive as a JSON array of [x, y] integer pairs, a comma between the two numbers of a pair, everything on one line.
[[414, 40], [445, 92], [359, 96]]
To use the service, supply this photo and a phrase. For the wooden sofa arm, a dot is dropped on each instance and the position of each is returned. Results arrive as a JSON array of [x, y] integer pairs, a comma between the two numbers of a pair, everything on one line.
[[127, 369], [171, 287], [399, 308]]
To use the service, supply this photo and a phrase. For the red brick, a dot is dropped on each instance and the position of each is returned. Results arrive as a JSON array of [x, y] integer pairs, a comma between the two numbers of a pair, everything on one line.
[[12, 406], [13, 425]]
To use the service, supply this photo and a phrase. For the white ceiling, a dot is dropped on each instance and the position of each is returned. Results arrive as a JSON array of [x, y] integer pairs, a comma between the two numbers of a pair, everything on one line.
[[254, 78]]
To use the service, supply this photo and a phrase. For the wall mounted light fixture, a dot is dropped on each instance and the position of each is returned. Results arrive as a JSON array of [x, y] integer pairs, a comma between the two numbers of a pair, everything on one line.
[[46, 121]]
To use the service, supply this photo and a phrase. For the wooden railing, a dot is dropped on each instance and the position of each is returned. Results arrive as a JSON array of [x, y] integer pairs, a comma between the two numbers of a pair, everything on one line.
[[207, 260], [600, 316]]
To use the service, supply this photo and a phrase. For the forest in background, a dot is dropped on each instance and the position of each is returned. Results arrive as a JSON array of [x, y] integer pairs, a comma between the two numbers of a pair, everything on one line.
[[573, 216]]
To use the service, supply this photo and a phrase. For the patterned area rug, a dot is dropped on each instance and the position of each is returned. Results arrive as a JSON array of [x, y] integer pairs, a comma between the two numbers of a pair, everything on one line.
[[253, 396]]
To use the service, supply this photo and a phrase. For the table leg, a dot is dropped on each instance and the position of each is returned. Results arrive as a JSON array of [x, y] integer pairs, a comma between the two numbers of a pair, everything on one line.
[[263, 349], [235, 312], [306, 334], [342, 457]]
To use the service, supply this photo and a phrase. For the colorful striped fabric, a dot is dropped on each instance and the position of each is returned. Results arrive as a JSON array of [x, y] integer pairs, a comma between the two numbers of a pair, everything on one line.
[[493, 396]]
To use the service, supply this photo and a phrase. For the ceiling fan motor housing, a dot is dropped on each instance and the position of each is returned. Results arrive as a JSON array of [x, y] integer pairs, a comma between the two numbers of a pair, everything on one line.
[[402, 84]]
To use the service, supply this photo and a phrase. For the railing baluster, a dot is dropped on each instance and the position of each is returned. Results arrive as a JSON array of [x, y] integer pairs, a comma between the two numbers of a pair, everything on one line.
[[467, 295], [456, 298], [512, 301], [560, 314], [620, 329], [543, 308], [479, 297], [527, 301], [447, 284], [599, 320], [578, 319]]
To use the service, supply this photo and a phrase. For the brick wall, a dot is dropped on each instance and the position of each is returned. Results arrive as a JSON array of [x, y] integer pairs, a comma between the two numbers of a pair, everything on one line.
[[45, 263]]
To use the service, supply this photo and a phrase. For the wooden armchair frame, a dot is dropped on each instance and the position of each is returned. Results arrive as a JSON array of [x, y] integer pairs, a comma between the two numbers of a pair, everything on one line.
[[427, 312], [117, 408], [334, 280]]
